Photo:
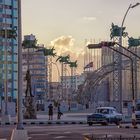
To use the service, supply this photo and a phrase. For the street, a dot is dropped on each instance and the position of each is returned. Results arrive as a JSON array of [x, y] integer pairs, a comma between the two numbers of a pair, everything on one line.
[[70, 132]]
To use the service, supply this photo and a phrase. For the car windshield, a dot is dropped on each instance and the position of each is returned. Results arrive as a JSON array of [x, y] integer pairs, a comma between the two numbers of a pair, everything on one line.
[[138, 107], [102, 111]]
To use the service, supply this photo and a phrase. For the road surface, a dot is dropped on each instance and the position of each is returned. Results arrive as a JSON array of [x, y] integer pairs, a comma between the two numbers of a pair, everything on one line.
[[70, 132]]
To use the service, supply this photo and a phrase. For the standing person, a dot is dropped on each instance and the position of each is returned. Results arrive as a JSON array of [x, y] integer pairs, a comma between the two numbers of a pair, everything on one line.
[[59, 113], [50, 113]]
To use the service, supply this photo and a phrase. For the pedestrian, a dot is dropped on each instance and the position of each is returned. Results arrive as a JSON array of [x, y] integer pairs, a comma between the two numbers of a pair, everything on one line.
[[59, 113], [50, 112]]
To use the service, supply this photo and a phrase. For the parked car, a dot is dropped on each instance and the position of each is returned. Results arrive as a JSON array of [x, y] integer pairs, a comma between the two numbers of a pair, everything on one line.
[[138, 112], [104, 116]]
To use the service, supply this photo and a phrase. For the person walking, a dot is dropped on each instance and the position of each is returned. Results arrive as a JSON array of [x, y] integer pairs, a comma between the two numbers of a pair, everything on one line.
[[50, 112], [59, 113]]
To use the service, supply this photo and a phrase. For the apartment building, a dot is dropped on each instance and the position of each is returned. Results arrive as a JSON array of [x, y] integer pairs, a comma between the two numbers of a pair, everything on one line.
[[8, 48]]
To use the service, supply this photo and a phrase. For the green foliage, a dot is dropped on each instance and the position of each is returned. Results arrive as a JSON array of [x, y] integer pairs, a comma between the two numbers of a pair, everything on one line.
[[49, 52], [9, 33], [29, 43], [116, 31], [73, 64], [132, 42], [64, 59]]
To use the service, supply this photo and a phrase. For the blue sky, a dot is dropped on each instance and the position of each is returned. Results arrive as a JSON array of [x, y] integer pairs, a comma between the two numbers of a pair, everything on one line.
[[73, 21]]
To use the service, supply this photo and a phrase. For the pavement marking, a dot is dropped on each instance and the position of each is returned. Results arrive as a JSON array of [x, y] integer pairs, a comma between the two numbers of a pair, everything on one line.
[[38, 134], [67, 132], [85, 134], [59, 137], [107, 136]]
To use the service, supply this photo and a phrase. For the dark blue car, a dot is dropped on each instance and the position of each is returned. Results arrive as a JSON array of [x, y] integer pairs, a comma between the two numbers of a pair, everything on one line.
[[104, 115]]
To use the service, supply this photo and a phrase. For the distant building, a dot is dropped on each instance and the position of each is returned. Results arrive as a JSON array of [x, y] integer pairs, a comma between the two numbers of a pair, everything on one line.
[[70, 85], [74, 81], [55, 89]]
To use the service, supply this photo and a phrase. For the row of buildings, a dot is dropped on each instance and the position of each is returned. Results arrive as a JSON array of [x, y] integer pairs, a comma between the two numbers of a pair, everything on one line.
[[33, 60], [99, 89]]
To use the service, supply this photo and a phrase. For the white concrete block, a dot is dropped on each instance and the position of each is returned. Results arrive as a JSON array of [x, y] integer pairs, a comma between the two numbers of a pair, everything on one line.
[[19, 135]]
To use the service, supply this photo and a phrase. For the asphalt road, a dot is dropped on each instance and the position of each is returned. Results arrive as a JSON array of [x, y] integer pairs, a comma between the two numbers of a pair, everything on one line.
[[70, 132]]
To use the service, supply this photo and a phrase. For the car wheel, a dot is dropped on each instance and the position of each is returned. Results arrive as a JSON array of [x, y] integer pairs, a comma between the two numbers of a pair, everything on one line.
[[104, 123], [90, 123], [117, 122]]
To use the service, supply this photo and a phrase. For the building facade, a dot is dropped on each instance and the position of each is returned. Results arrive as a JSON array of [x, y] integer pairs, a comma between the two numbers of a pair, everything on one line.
[[70, 85], [8, 48], [34, 61]]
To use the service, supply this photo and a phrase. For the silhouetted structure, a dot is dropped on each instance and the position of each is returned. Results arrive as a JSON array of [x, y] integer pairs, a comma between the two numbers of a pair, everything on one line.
[[30, 109]]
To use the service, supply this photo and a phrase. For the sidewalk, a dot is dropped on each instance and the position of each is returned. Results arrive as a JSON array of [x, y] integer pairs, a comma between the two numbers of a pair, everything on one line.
[[70, 117]]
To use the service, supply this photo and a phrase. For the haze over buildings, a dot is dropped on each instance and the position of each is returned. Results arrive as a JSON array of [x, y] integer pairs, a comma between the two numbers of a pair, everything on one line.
[[54, 22]]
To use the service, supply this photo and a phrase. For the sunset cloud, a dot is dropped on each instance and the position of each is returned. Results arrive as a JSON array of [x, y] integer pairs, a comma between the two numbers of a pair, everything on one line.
[[63, 44]]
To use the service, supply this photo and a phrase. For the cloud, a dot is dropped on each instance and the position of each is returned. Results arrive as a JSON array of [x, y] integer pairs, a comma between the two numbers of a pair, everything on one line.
[[63, 44], [89, 18], [63, 41]]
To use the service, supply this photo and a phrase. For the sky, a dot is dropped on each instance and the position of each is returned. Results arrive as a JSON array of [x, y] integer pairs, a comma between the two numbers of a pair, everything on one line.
[[66, 24]]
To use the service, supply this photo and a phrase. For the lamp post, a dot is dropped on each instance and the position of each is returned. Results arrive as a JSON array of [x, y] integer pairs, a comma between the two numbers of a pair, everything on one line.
[[19, 100], [109, 44], [120, 42], [121, 30]]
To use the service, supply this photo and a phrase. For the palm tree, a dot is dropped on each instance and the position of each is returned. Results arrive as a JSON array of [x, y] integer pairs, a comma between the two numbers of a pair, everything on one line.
[[11, 33], [48, 53], [64, 60], [73, 66], [29, 43]]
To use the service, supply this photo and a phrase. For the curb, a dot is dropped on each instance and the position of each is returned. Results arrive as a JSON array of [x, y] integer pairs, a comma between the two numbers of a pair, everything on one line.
[[44, 122], [127, 126]]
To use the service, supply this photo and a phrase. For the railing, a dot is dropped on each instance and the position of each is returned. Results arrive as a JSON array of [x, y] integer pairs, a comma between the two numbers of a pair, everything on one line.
[[110, 137]]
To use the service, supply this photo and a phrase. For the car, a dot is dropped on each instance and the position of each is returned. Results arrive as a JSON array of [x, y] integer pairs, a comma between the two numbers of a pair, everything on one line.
[[104, 116], [137, 112]]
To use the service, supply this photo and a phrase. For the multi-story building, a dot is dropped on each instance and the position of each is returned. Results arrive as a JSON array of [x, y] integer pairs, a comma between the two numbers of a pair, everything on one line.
[[34, 61], [70, 84], [55, 90], [74, 81], [8, 48]]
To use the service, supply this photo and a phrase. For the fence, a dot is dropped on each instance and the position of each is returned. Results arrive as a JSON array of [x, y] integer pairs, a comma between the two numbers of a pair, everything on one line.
[[110, 137]]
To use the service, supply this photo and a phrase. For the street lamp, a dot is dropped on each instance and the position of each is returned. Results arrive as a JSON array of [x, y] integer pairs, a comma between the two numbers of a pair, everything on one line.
[[19, 132], [19, 100], [121, 30], [109, 45], [121, 33]]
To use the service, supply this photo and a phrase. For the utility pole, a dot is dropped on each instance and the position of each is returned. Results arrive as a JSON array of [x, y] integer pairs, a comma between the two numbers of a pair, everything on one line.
[[19, 132]]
